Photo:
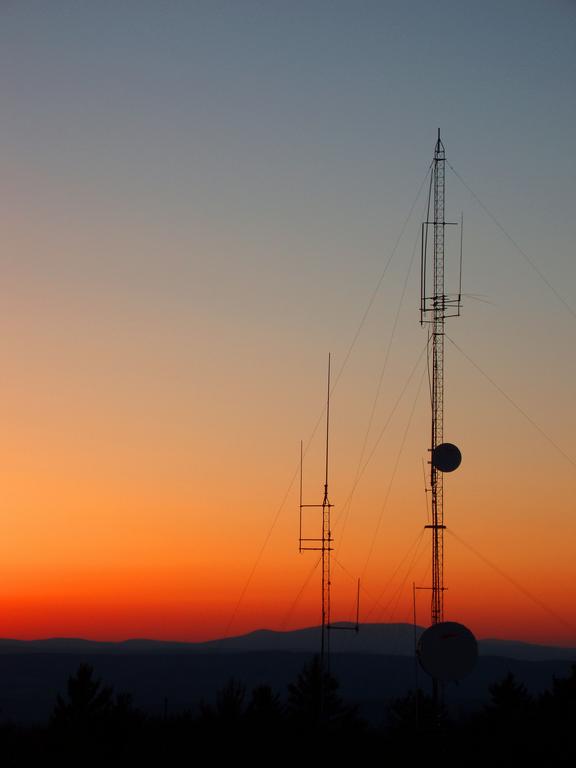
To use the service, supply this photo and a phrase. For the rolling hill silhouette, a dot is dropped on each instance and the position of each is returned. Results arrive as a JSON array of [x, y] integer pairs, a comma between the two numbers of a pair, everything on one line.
[[382, 639], [372, 667]]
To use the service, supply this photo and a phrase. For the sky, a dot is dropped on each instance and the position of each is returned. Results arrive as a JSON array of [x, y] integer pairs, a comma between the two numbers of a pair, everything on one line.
[[198, 202]]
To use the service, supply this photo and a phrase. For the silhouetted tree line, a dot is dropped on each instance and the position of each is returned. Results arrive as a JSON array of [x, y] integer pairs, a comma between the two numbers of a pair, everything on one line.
[[91, 725]]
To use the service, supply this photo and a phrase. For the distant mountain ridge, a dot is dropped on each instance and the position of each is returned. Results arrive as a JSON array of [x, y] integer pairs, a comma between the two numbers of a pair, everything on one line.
[[380, 639]]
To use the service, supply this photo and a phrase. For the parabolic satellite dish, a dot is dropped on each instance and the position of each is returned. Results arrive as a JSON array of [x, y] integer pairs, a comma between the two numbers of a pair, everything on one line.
[[447, 651], [446, 457]]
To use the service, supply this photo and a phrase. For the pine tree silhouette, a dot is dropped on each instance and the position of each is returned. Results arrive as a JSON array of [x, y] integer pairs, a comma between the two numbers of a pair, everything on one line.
[[314, 703], [87, 701], [509, 700]]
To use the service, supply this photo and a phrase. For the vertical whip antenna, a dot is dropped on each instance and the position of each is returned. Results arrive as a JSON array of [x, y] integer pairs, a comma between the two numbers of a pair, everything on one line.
[[323, 544], [300, 518], [326, 541], [327, 428]]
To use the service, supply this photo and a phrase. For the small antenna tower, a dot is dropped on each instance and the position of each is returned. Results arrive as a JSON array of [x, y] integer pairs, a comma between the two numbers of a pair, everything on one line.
[[323, 544]]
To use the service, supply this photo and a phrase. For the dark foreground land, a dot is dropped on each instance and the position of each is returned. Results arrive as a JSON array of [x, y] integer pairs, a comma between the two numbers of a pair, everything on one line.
[[177, 682], [90, 722]]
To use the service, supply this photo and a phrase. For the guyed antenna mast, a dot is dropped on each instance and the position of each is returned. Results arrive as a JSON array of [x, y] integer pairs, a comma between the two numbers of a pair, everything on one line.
[[435, 309], [323, 544], [446, 650]]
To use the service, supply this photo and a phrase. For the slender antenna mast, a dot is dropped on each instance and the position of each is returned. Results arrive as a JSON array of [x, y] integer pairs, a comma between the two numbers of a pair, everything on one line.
[[436, 479], [446, 650], [324, 543], [434, 309]]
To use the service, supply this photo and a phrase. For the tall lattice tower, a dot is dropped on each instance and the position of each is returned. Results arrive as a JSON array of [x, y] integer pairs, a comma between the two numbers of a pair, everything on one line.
[[434, 310], [447, 650]]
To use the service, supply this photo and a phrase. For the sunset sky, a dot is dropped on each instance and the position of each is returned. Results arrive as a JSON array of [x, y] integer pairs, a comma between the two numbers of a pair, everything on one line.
[[197, 202]]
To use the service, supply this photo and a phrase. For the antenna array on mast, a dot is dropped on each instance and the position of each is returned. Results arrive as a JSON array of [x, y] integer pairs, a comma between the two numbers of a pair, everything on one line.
[[323, 544], [435, 309], [447, 650]]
